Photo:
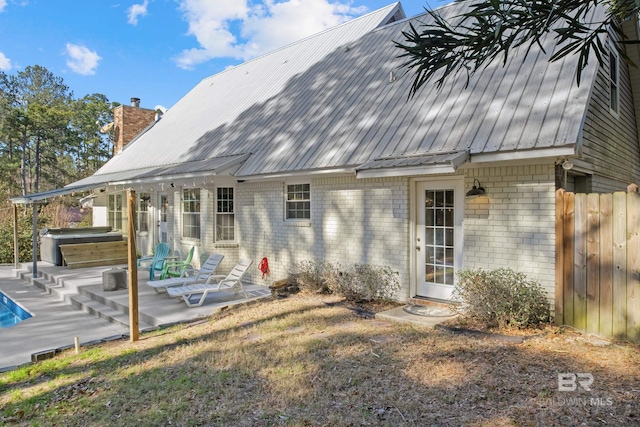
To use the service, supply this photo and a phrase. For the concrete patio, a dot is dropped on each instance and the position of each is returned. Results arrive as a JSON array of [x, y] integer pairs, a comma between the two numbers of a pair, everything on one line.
[[69, 303]]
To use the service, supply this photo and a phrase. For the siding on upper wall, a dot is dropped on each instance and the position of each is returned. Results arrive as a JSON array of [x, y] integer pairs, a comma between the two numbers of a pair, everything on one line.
[[610, 144], [631, 30]]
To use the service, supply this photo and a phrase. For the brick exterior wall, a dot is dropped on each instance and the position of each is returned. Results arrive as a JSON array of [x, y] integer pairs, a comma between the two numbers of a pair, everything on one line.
[[514, 226], [351, 222], [128, 122], [368, 221]]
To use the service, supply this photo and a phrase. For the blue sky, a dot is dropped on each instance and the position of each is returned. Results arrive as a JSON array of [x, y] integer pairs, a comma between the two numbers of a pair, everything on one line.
[[157, 50]]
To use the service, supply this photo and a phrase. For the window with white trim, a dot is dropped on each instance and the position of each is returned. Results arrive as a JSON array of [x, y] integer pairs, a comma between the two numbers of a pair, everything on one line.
[[614, 81], [191, 213], [298, 202], [225, 214], [114, 211], [143, 213]]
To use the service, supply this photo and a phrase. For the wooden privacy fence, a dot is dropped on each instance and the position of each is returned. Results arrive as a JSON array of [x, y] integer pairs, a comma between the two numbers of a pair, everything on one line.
[[598, 263]]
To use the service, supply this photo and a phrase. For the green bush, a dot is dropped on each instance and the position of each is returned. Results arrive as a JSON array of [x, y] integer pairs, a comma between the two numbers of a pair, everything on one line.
[[502, 298], [355, 282], [25, 231]]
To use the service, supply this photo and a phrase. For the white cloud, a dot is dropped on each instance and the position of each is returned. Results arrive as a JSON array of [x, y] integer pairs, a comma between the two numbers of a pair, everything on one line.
[[3, 4], [82, 60], [135, 11], [244, 29], [5, 63]]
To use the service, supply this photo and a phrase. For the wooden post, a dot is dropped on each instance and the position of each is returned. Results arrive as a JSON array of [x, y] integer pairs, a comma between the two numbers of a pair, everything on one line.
[[133, 267], [559, 291], [16, 242], [619, 265], [606, 265], [593, 263], [568, 244], [633, 266], [580, 262]]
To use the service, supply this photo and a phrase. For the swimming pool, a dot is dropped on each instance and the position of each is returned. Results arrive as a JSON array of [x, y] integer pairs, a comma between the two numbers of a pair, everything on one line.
[[10, 312]]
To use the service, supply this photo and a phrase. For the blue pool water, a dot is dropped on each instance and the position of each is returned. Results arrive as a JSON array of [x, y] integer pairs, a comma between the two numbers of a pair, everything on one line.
[[10, 312]]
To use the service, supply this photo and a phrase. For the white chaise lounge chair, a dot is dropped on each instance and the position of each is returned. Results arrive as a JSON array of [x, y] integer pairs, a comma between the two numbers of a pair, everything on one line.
[[205, 275], [232, 281]]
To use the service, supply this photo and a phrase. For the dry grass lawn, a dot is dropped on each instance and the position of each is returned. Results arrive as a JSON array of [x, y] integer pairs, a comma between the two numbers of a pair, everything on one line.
[[302, 362]]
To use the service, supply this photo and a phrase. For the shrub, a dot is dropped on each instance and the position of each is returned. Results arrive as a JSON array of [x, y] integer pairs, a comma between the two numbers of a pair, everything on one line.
[[311, 275], [355, 282], [25, 231], [502, 298], [365, 282]]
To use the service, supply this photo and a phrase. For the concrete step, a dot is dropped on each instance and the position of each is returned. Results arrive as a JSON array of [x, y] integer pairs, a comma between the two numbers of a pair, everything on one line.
[[85, 300], [102, 311], [88, 291]]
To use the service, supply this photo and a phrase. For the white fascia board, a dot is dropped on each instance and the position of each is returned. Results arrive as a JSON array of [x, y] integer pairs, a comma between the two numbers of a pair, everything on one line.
[[164, 178], [524, 155], [300, 174], [36, 197], [406, 171]]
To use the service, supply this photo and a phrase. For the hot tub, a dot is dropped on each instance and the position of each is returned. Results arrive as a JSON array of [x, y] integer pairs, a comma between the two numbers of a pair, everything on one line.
[[54, 237]]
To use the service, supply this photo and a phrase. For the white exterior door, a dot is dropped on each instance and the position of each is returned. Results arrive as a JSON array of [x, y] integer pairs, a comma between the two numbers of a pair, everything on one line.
[[162, 231], [439, 240]]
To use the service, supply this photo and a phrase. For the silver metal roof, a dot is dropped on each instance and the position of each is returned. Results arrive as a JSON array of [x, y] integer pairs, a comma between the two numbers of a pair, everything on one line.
[[190, 169], [339, 100], [414, 165], [35, 197], [205, 122]]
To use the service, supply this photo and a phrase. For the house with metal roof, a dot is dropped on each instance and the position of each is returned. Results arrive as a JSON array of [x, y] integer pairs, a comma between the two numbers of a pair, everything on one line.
[[315, 151]]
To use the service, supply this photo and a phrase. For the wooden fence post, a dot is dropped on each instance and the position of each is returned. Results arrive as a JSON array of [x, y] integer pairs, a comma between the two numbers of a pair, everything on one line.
[[593, 263], [568, 244], [606, 265], [559, 296], [580, 262], [633, 266], [619, 265]]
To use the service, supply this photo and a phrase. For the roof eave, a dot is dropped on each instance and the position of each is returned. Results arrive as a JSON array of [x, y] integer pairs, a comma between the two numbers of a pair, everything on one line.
[[536, 153]]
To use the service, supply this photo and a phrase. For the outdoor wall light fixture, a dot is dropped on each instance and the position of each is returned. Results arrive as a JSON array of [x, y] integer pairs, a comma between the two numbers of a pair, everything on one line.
[[172, 185], [476, 190]]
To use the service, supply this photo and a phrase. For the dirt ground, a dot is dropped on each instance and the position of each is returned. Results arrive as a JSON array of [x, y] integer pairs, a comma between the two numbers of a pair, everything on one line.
[[303, 361]]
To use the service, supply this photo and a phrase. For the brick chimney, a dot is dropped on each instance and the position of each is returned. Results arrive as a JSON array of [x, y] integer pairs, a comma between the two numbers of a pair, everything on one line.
[[128, 122]]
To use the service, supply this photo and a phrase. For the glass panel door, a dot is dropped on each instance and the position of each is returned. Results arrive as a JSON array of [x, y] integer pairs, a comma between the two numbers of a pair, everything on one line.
[[438, 237], [163, 204]]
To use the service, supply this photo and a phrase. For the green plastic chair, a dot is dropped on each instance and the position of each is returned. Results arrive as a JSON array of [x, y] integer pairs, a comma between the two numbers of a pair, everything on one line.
[[176, 268], [156, 262]]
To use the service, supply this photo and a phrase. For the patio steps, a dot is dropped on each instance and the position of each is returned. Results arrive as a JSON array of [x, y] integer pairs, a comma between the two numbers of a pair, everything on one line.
[[82, 298]]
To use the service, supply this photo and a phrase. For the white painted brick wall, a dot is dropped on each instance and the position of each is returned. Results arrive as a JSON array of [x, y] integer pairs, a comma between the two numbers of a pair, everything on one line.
[[364, 221], [367, 221], [514, 226]]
